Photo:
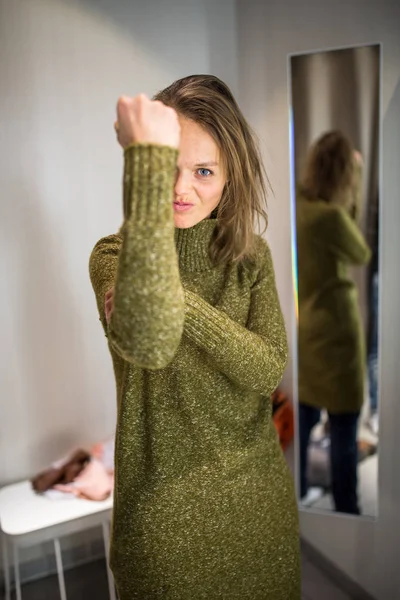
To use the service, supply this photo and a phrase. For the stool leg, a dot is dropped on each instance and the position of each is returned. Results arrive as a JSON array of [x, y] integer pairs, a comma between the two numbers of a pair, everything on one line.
[[6, 567], [106, 537], [60, 571], [16, 571]]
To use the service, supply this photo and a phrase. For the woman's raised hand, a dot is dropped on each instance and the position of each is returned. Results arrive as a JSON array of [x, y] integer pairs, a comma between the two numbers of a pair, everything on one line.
[[141, 120]]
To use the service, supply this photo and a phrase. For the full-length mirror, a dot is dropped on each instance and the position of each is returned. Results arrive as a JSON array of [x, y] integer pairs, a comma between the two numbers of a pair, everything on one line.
[[335, 144]]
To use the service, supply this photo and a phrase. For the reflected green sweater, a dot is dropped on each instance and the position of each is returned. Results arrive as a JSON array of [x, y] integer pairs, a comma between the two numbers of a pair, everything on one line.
[[204, 505], [332, 357]]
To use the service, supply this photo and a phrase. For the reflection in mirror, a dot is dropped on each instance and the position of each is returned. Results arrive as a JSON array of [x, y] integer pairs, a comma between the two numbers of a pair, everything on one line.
[[335, 128]]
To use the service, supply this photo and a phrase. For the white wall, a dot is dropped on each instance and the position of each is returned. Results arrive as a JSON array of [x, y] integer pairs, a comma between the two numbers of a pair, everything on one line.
[[268, 31], [63, 65]]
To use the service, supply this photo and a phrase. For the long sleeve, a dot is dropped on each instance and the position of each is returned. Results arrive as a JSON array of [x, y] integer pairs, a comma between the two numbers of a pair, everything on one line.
[[147, 322], [253, 356], [342, 236]]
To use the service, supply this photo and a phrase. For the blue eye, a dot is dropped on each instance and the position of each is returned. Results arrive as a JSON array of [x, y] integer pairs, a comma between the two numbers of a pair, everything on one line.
[[204, 172]]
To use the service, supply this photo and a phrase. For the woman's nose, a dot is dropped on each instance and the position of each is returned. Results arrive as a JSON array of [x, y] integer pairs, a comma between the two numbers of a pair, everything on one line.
[[182, 183]]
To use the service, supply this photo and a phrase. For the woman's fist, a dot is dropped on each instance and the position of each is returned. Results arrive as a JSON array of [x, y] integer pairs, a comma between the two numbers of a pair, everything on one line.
[[141, 120]]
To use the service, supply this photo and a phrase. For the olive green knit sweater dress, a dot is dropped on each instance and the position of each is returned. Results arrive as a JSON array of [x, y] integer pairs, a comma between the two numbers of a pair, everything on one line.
[[332, 356], [204, 505]]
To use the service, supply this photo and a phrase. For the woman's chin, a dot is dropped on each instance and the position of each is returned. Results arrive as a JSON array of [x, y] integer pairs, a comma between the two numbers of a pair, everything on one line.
[[185, 221]]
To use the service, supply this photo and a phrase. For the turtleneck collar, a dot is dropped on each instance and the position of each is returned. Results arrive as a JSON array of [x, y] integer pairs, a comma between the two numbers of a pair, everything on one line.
[[193, 245]]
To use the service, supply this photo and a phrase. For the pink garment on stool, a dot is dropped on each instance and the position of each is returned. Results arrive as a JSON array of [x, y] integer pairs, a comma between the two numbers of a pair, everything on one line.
[[93, 483], [104, 452]]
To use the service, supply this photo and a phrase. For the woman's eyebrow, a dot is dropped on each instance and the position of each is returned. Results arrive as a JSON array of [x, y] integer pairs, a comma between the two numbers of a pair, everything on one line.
[[212, 163]]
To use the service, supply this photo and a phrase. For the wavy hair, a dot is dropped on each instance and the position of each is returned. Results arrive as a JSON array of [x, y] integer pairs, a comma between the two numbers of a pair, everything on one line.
[[208, 101], [330, 169]]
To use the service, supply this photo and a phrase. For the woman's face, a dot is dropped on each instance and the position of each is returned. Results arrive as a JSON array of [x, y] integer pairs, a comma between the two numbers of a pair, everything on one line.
[[200, 177]]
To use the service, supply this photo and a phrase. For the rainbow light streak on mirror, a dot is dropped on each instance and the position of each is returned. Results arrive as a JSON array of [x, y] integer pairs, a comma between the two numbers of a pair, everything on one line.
[[295, 282]]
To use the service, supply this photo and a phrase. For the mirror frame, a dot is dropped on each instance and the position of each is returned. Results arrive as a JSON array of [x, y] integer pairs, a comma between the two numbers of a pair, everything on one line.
[[293, 242]]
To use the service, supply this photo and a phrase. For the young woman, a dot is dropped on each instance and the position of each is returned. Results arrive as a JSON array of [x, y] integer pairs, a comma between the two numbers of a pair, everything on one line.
[[204, 505], [331, 337]]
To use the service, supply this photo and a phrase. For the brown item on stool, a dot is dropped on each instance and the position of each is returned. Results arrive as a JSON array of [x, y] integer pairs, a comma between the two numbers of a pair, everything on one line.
[[66, 473]]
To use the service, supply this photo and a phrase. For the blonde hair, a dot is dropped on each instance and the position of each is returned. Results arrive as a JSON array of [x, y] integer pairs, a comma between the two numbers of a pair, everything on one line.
[[208, 101], [330, 169]]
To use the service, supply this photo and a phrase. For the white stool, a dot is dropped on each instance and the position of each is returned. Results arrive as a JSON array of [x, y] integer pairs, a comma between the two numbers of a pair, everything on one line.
[[27, 518]]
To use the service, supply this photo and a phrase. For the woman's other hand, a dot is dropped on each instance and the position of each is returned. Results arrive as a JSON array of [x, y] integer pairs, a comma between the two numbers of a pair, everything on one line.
[[109, 304], [144, 121]]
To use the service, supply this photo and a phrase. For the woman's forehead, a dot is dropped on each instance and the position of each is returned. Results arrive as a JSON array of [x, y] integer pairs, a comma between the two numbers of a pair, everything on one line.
[[197, 147]]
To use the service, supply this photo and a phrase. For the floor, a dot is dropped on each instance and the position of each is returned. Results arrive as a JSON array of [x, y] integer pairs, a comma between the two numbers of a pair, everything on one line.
[[367, 476], [90, 581], [367, 485], [317, 586]]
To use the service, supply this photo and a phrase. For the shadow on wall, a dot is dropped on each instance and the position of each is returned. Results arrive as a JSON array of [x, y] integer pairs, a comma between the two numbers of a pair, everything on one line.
[[390, 374], [175, 32], [164, 33]]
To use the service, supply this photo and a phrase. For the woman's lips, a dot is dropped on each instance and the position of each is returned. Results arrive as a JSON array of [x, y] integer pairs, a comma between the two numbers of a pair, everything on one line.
[[182, 206]]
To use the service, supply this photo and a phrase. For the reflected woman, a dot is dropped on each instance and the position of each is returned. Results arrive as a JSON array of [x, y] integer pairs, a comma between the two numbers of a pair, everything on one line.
[[331, 336]]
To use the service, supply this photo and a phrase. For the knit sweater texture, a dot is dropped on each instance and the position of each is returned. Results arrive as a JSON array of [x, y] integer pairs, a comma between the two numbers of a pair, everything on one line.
[[332, 357], [204, 504]]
